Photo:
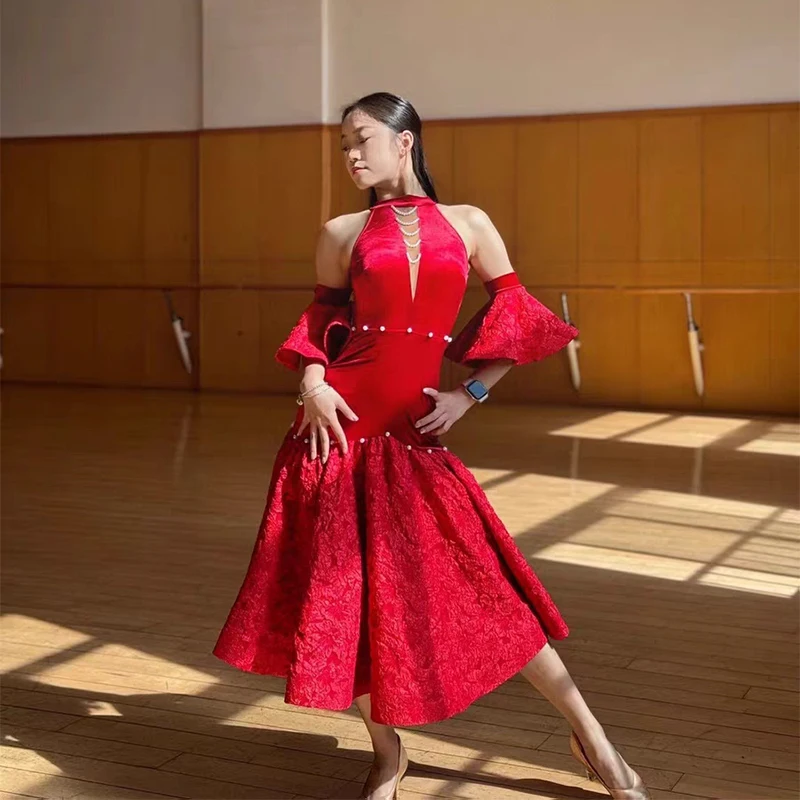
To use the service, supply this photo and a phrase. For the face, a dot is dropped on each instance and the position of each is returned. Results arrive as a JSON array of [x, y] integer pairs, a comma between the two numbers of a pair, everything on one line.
[[373, 153]]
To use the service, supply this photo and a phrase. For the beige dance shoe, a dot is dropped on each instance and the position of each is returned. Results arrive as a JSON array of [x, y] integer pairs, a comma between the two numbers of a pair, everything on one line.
[[636, 792], [392, 790]]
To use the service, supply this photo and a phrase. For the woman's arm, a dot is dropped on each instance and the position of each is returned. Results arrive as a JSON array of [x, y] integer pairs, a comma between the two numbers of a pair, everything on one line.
[[512, 325], [489, 258], [329, 272], [488, 254], [320, 411]]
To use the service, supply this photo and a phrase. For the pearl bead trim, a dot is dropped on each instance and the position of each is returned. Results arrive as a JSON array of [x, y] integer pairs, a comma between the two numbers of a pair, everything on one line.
[[363, 439], [384, 329]]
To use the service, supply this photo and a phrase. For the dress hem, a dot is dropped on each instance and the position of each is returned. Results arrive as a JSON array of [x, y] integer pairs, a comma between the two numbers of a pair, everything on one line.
[[395, 721]]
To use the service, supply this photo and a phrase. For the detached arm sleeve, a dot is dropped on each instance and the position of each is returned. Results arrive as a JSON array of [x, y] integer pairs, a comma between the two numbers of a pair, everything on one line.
[[321, 330], [511, 324]]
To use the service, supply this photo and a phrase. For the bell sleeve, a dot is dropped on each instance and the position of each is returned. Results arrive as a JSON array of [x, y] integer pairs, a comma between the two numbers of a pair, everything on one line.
[[321, 330], [512, 324]]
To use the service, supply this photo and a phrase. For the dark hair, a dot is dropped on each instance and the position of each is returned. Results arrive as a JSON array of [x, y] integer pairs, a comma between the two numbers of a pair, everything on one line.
[[399, 115]]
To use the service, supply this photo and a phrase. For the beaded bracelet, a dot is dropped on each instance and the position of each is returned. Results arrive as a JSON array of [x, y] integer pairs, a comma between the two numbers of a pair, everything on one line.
[[312, 392]]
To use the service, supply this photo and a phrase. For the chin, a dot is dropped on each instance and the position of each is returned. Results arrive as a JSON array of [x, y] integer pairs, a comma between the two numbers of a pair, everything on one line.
[[361, 180]]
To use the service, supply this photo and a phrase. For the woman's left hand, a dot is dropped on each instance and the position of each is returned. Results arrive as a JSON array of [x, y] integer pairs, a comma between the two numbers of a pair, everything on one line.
[[450, 407]]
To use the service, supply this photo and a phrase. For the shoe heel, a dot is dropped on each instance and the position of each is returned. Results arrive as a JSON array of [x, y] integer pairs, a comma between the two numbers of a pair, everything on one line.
[[396, 793], [402, 773]]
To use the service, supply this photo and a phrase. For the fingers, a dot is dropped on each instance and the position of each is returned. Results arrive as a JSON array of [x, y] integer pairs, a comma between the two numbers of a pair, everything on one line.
[[313, 439], [320, 440], [319, 420], [436, 422], [325, 443], [435, 414], [304, 423], [348, 412], [338, 432]]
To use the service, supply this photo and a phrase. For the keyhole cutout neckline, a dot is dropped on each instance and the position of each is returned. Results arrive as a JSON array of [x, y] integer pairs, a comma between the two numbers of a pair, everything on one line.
[[410, 225]]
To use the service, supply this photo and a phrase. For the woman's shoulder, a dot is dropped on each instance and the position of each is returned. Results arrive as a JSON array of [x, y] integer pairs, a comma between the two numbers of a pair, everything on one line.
[[342, 227], [467, 220], [342, 232], [469, 215]]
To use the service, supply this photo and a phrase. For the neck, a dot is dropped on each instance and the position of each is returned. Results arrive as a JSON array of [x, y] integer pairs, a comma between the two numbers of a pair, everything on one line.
[[401, 188]]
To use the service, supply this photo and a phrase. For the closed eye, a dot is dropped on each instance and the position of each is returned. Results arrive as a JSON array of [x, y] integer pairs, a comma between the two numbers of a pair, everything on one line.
[[360, 141]]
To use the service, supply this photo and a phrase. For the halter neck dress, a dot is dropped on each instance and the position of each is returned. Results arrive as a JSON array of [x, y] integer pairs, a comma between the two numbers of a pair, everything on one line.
[[386, 569]]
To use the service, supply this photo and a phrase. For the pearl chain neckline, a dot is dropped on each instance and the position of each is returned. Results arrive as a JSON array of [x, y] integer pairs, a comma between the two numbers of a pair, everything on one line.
[[412, 260]]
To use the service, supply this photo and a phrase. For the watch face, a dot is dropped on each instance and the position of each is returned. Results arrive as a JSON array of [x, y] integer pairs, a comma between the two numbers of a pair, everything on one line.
[[477, 389]]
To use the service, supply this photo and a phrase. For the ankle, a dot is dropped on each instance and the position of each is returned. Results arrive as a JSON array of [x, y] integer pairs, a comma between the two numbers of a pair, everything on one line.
[[590, 734], [386, 747]]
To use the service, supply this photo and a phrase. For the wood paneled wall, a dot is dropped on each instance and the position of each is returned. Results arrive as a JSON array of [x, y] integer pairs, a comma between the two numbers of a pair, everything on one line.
[[605, 207], [93, 229]]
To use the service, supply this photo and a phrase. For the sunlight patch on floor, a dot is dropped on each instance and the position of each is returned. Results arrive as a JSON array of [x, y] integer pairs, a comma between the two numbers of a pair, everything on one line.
[[672, 569], [747, 580], [685, 543], [668, 430], [686, 431], [612, 425], [748, 547], [527, 501], [780, 439]]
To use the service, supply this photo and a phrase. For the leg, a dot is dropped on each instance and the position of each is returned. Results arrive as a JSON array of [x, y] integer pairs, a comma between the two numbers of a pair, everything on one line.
[[390, 757], [548, 674]]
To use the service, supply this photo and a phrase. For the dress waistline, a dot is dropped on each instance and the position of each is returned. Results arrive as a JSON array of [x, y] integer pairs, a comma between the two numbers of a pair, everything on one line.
[[409, 330]]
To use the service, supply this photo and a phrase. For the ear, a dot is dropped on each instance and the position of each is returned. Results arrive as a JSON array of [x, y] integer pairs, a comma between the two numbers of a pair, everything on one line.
[[405, 142]]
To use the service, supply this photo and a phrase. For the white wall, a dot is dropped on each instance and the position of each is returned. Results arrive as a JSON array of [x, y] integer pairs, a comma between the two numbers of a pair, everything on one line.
[[477, 58], [99, 66], [107, 66], [262, 62]]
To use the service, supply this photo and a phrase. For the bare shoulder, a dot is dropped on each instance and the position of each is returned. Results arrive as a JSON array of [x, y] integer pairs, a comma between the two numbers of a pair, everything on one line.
[[469, 221], [339, 234], [346, 227], [472, 215], [488, 255]]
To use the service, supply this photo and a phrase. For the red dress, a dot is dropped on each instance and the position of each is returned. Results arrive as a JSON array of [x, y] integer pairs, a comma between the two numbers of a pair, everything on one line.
[[386, 570]]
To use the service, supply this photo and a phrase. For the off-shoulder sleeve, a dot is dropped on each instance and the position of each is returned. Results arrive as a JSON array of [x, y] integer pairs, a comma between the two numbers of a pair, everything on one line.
[[321, 330], [512, 324]]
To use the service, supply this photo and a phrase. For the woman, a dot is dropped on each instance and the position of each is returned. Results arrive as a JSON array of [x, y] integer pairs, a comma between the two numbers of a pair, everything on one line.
[[381, 575]]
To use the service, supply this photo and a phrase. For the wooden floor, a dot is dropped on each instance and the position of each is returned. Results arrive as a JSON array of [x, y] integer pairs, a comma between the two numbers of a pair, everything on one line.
[[670, 543]]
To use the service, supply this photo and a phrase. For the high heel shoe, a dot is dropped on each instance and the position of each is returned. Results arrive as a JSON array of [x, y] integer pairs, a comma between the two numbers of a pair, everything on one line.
[[636, 792], [392, 791]]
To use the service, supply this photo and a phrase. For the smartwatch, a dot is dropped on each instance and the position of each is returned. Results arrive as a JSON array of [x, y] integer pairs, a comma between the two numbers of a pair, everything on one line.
[[476, 390]]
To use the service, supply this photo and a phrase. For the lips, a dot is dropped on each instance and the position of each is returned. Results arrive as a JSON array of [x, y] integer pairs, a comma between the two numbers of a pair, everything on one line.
[[357, 169]]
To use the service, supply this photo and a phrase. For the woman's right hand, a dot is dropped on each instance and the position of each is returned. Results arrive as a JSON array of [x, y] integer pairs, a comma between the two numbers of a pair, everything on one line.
[[319, 414]]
